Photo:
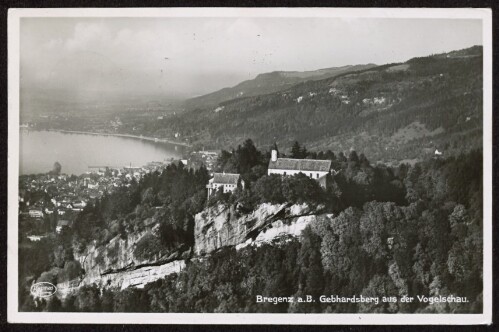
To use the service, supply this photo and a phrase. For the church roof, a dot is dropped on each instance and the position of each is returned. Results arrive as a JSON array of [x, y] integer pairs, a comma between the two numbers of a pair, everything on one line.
[[225, 178], [312, 165]]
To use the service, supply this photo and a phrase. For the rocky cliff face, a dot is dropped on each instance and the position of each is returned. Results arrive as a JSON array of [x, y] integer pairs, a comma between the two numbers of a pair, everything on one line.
[[222, 226], [115, 265], [131, 278]]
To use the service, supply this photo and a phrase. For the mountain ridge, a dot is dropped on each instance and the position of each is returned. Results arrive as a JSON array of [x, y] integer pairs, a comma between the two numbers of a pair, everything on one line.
[[269, 82], [393, 111]]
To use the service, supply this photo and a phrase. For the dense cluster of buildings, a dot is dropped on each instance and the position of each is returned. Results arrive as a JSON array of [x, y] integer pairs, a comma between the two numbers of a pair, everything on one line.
[[61, 196], [206, 158]]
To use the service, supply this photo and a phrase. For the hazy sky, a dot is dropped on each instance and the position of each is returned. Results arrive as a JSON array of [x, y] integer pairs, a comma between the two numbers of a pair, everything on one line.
[[192, 56]]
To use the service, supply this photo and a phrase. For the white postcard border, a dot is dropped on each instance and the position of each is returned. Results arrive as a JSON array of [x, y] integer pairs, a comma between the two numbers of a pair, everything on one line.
[[14, 316]]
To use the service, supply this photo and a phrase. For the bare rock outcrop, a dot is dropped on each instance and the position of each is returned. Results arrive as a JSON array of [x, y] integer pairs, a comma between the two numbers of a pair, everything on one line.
[[115, 264], [221, 225]]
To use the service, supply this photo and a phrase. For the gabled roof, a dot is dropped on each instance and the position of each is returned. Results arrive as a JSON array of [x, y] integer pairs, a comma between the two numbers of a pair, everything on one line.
[[301, 164], [225, 178]]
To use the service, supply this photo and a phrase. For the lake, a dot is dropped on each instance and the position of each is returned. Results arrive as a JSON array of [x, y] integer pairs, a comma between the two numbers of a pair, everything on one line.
[[39, 150]]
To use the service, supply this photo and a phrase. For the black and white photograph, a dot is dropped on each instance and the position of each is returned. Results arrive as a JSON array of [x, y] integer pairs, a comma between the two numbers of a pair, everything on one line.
[[181, 165]]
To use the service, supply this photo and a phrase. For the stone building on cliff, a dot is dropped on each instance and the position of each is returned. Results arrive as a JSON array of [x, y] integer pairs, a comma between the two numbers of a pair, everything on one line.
[[227, 181]]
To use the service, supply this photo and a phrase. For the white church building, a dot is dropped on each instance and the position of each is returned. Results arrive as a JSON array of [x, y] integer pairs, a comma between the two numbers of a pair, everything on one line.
[[315, 169]]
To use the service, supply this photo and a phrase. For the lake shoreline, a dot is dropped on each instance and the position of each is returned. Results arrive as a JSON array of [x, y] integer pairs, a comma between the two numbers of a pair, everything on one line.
[[146, 138], [78, 151]]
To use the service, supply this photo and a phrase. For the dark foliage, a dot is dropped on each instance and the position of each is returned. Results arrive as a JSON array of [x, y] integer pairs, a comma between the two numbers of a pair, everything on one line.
[[429, 245]]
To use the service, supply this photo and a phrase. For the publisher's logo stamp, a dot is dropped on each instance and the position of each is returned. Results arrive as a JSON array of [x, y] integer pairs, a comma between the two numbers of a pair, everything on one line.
[[43, 289]]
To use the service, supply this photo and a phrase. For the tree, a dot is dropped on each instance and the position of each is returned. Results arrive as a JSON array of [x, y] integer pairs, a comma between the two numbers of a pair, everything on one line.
[[353, 157], [268, 189], [329, 155], [341, 242], [375, 224], [54, 305], [341, 157], [107, 300], [300, 188], [363, 161], [380, 286], [88, 299], [310, 277], [247, 156], [56, 170], [131, 300], [296, 150]]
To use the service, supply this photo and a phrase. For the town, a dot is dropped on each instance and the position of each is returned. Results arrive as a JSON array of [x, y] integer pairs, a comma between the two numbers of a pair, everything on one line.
[[50, 202]]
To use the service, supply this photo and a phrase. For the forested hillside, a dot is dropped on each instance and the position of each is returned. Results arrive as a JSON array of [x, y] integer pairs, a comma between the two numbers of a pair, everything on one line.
[[410, 230], [391, 112], [269, 82]]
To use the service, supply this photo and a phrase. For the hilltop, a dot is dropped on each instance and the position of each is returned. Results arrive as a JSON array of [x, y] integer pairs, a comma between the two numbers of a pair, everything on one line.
[[161, 245], [268, 83]]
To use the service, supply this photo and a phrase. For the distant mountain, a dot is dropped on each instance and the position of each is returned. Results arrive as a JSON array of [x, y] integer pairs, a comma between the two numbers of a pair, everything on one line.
[[38, 102], [391, 112], [269, 83]]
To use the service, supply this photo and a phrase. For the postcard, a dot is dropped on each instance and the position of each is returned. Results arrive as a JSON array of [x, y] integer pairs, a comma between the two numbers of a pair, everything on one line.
[[250, 165]]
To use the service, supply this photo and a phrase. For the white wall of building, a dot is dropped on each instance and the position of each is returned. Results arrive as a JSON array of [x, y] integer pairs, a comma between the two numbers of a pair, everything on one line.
[[226, 188], [310, 174]]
